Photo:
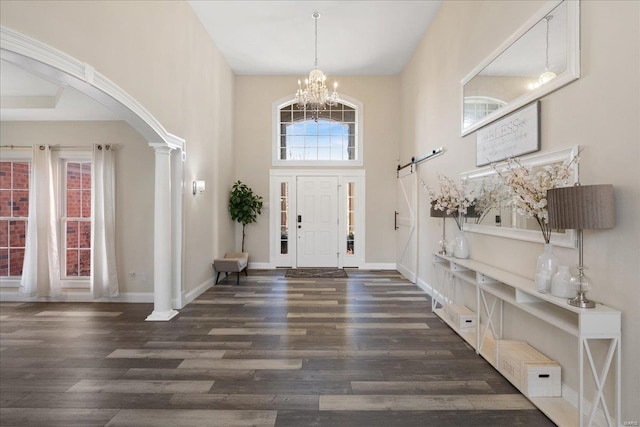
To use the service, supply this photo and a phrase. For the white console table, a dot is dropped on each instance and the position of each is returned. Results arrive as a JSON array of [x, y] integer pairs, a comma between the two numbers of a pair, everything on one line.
[[493, 288]]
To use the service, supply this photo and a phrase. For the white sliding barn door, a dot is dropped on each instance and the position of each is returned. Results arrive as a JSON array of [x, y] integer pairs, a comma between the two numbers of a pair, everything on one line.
[[406, 232]]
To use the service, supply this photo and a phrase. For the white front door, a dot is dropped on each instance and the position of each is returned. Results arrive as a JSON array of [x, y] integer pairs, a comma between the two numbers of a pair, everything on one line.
[[316, 221], [406, 233]]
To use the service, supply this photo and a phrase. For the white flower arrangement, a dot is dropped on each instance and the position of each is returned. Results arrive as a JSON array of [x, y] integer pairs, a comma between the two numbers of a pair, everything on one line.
[[486, 194], [450, 198], [529, 188]]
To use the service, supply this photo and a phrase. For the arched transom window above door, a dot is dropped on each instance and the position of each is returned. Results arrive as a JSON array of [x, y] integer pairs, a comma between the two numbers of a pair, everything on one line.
[[334, 139]]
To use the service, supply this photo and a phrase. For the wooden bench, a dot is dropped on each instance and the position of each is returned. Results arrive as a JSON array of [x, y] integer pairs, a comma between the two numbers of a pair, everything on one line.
[[232, 263]]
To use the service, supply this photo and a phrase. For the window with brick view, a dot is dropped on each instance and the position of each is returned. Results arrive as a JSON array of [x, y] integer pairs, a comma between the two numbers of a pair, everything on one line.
[[77, 219], [14, 212]]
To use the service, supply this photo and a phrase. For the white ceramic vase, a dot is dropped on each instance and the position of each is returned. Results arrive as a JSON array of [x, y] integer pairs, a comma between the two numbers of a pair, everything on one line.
[[546, 267], [461, 246]]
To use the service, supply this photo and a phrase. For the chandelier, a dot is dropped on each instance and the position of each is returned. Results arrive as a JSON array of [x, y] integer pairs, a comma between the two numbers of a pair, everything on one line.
[[314, 97]]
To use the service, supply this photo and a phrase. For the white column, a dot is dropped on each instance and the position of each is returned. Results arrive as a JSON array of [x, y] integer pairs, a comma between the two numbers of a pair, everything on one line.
[[162, 272]]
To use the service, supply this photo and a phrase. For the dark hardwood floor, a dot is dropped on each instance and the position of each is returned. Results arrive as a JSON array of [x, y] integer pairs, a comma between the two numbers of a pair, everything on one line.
[[363, 351]]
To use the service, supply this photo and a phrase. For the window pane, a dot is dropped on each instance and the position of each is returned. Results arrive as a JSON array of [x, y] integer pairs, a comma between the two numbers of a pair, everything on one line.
[[310, 154], [73, 175], [84, 235], [4, 262], [17, 234], [324, 154], [350, 218], [284, 218], [285, 116], [72, 234], [296, 154], [20, 204], [72, 262], [5, 203], [4, 233], [5, 175], [350, 116], [73, 203], [21, 175], [85, 263], [16, 259], [86, 176], [86, 203]]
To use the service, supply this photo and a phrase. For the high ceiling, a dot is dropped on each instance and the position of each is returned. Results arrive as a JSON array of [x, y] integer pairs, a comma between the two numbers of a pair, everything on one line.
[[258, 38], [354, 37]]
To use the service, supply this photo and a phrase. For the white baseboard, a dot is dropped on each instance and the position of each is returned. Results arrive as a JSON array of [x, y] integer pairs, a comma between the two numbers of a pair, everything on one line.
[[409, 275], [260, 266], [127, 297], [379, 266], [199, 290], [424, 286]]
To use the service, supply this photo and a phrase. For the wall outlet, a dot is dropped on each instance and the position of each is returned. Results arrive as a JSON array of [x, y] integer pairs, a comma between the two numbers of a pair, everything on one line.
[[143, 277]]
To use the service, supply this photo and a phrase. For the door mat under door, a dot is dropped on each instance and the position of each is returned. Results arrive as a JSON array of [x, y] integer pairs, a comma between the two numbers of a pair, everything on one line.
[[318, 273]]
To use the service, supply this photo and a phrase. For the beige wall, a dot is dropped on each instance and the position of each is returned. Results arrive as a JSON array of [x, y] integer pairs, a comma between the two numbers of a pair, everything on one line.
[[134, 185], [253, 143], [161, 55], [598, 112]]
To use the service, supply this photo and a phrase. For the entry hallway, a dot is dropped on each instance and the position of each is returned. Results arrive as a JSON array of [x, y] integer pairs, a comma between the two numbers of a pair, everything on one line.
[[363, 351]]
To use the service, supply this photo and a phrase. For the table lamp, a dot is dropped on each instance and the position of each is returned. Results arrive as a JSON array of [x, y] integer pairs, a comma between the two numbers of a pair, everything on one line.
[[581, 207]]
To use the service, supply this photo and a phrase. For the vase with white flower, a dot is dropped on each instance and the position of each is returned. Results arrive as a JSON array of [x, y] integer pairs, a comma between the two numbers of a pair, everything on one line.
[[528, 188], [453, 200]]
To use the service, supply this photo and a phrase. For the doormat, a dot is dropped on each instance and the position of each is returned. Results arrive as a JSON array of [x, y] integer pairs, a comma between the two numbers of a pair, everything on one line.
[[316, 273]]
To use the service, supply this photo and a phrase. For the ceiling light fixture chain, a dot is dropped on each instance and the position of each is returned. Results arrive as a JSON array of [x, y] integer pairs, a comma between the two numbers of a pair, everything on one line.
[[315, 96], [547, 75]]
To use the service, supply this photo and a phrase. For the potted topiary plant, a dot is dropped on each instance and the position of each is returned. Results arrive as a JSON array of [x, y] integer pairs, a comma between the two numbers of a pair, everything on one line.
[[244, 205]]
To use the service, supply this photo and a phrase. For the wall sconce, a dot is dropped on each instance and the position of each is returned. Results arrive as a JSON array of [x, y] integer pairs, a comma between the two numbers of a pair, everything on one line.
[[198, 187]]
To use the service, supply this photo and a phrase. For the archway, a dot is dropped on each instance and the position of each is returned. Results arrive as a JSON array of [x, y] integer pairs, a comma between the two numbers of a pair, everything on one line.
[[170, 151]]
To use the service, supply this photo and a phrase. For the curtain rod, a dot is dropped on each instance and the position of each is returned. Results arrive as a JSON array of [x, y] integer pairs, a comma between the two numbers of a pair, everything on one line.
[[414, 161], [61, 147]]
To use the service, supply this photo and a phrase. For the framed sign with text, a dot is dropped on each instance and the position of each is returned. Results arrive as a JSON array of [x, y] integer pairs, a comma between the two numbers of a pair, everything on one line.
[[514, 135]]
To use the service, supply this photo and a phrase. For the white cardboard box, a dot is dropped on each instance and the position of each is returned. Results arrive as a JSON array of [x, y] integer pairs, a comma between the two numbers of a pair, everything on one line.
[[533, 373], [463, 317]]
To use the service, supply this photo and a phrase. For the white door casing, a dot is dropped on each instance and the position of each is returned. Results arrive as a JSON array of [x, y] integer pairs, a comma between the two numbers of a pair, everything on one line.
[[316, 221], [406, 232]]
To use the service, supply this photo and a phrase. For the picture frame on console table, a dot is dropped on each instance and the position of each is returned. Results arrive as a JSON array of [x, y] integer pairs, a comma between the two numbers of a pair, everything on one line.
[[512, 136]]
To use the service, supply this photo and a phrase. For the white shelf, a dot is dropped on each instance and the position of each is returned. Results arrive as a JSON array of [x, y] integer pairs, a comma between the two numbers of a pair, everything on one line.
[[601, 322]]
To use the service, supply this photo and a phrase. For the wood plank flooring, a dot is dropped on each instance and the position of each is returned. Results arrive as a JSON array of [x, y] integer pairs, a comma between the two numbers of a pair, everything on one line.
[[362, 351]]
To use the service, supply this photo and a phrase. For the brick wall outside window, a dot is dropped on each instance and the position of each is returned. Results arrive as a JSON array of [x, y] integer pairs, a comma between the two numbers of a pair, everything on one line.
[[14, 212]]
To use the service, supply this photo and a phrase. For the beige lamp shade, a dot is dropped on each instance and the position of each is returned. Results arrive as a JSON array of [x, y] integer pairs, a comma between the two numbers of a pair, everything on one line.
[[581, 207]]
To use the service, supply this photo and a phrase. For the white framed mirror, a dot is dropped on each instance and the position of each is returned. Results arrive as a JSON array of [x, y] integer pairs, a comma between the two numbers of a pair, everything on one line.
[[542, 56], [501, 217]]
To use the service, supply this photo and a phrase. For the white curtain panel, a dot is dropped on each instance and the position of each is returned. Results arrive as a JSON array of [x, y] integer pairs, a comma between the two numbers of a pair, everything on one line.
[[104, 275], [41, 268]]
